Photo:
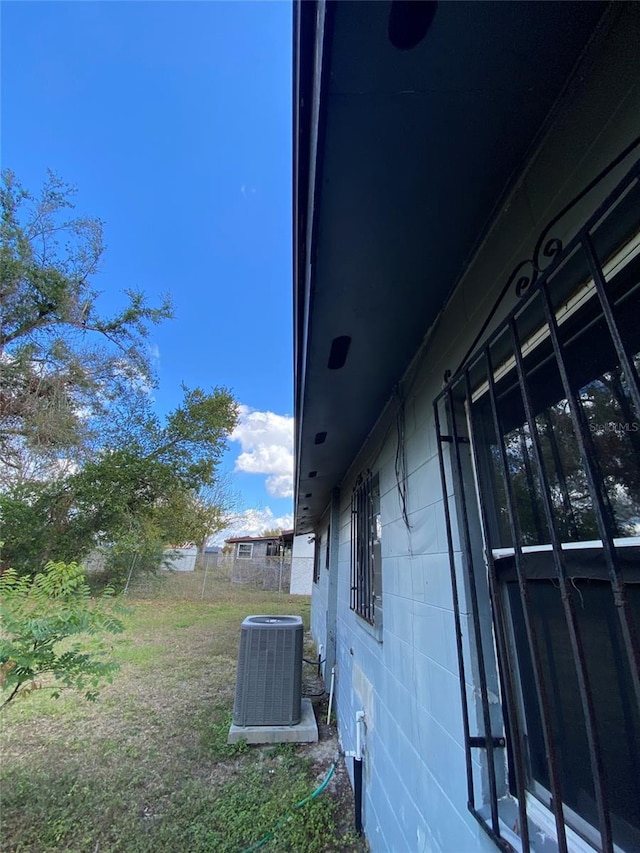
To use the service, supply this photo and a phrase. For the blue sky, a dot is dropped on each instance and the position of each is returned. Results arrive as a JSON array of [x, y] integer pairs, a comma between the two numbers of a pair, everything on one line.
[[173, 119]]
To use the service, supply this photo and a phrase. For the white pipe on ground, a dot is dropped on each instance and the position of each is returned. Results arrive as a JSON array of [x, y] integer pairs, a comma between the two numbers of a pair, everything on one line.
[[333, 679]]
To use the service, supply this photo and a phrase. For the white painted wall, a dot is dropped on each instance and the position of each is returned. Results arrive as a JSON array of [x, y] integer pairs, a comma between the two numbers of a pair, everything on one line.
[[302, 565], [180, 559]]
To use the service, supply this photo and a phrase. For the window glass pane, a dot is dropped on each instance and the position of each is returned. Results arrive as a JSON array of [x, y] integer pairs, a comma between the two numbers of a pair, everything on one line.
[[375, 544], [584, 435], [568, 485], [616, 236], [366, 563], [613, 426], [610, 425], [618, 721], [316, 558], [610, 431]]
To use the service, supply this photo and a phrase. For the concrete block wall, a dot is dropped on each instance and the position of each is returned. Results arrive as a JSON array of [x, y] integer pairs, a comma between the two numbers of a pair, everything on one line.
[[408, 684], [407, 680]]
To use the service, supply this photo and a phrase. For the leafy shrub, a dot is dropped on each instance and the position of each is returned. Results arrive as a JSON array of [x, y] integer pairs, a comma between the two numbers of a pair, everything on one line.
[[39, 616]]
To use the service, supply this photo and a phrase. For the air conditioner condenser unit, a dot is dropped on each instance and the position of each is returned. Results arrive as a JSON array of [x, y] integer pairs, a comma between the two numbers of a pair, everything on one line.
[[269, 676]]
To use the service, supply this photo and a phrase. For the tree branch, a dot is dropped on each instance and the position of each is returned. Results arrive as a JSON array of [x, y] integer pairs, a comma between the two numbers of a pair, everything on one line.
[[12, 694]]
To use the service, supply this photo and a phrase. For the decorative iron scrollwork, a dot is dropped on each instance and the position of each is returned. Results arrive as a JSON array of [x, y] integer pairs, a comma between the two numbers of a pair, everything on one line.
[[547, 249], [536, 265], [545, 252]]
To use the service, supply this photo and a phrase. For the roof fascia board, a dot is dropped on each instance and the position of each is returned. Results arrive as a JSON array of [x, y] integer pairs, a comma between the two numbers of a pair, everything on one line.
[[304, 243]]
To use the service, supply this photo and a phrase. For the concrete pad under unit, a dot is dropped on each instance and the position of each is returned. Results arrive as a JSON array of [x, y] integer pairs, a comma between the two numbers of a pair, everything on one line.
[[306, 731]]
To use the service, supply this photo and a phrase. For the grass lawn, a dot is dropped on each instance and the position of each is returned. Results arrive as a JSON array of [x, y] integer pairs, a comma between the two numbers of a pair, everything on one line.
[[147, 767]]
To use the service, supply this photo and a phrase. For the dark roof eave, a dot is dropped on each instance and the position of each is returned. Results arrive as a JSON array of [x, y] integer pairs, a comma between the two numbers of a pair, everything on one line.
[[308, 43], [286, 534]]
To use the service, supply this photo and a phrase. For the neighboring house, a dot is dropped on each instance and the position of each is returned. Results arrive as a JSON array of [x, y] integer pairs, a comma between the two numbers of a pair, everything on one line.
[[296, 553], [253, 547], [467, 403], [263, 561]]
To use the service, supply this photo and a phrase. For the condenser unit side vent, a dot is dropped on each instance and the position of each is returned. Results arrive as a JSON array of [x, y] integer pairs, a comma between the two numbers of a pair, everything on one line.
[[269, 676]]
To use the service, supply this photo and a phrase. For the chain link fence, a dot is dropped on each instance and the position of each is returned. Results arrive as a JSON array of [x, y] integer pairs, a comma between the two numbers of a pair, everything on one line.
[[213, 573], [269, 573]]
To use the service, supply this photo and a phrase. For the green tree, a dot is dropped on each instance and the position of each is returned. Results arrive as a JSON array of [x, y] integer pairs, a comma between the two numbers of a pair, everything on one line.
[[40, 615], [143, 491], [196, 516], [189, 442], [89, 461], [63, 358]]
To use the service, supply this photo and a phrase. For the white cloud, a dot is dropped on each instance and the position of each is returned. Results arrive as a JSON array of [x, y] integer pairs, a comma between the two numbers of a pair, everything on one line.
[[266, 440], [134, 377], [252, 522], [280, 485]]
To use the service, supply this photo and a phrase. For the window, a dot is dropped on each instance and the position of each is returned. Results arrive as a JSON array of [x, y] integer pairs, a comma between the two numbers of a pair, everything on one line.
[[543, 436], [273, 549], [366, 562], [316, 557], [321, 542], [245, 550]]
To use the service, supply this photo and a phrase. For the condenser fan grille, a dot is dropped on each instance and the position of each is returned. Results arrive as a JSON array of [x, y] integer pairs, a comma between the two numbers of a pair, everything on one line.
[[269, 677]]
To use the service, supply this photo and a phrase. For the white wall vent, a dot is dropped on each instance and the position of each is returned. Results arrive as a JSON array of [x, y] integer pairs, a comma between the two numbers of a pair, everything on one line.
[[269, 676]]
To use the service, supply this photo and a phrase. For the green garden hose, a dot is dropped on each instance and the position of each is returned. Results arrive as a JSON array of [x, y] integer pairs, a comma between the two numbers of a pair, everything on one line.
[[265, 839]]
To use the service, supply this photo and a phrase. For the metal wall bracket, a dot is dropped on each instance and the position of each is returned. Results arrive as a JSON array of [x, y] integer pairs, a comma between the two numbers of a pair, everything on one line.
[[461, 439], [481, 742]]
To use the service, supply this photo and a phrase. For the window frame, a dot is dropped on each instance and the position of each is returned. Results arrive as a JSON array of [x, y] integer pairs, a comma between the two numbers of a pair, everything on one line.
[[366, 556], [491, 650], [273, 549], [317, 544], [241, 545]]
